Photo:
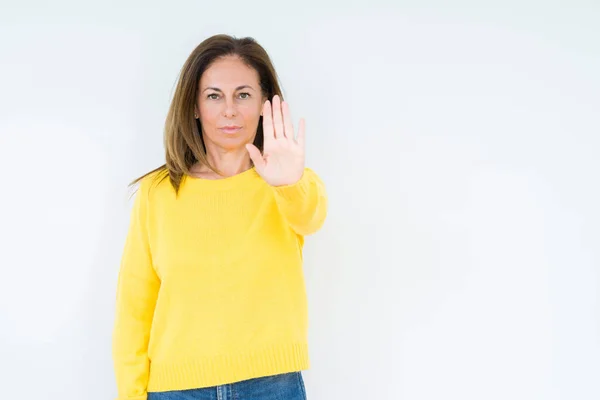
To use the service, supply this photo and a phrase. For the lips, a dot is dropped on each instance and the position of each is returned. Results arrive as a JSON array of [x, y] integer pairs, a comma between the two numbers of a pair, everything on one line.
[[230, 128]]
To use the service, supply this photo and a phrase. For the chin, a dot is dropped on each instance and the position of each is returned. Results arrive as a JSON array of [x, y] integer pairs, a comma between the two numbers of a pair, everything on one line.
[[233, 142], [230, 141]]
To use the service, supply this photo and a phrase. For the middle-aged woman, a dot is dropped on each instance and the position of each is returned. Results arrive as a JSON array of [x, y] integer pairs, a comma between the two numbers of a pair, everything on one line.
[[211, 301]]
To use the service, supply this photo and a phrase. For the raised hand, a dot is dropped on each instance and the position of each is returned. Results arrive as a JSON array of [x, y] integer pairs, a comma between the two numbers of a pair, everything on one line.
[[282, 160]]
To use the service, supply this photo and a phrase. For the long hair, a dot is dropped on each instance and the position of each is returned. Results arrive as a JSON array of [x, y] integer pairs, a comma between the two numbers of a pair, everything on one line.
[[184, 145]]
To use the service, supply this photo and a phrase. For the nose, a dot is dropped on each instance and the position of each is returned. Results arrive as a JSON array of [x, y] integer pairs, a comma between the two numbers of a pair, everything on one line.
[[229, 109]]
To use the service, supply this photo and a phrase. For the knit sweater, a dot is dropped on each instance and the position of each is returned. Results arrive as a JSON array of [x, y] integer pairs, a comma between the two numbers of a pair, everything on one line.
[[211, 287]]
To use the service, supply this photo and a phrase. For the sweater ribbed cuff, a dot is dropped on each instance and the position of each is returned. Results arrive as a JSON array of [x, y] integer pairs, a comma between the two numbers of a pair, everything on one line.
[[296, 190]]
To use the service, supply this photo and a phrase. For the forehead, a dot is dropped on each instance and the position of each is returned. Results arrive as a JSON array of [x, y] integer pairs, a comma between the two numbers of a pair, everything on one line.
[[229, 72]]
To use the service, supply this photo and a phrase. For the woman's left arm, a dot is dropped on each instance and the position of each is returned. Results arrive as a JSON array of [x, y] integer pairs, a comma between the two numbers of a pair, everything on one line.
[[304, 203], [299, 192]]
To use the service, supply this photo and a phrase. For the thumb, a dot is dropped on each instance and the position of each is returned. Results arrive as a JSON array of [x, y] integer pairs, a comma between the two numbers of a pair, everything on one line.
[[255, 156]]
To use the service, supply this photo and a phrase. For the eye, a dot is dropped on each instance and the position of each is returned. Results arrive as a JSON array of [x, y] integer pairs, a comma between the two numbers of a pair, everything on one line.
[[212, 98], [244, 95]]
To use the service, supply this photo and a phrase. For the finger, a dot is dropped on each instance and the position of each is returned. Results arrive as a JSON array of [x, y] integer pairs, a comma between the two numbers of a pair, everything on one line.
[[268, 132], [287, 121], [301, 130], [255, 156], [277, 118]]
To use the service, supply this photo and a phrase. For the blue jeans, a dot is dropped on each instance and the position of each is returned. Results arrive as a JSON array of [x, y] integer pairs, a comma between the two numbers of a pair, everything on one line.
[[289, 386]]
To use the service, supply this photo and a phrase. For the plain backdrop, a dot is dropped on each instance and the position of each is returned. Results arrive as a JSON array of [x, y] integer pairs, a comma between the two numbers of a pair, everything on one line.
[[459, 142]]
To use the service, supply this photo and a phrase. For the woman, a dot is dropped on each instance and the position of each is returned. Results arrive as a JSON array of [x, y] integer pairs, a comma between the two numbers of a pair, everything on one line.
[[211, 302]]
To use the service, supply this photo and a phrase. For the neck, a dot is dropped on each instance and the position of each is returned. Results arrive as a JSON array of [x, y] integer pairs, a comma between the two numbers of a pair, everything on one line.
[[229, 163]]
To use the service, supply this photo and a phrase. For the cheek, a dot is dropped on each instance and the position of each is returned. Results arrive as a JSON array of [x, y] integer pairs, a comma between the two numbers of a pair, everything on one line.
[[208, 115], [250, 112]]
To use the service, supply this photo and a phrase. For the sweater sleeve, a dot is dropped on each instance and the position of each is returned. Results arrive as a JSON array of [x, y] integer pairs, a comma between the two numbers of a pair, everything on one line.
[[137, 290], [304, 203]]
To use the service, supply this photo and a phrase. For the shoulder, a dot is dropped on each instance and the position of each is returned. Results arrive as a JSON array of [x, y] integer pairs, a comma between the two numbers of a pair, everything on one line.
[[152, 184], [154, 179]]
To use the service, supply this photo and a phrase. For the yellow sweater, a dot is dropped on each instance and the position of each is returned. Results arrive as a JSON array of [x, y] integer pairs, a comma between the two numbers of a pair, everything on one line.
[[211, 286]]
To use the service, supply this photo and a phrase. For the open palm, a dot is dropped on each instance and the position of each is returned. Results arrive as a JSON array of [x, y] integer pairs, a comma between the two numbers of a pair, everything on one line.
[[282, 160]]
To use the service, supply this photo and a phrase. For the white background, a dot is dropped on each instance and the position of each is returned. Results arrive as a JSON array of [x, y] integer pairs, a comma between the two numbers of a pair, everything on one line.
[[460, 147]]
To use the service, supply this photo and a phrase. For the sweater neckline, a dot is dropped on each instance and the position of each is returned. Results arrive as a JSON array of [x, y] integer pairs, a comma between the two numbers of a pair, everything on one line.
[[242, 179]]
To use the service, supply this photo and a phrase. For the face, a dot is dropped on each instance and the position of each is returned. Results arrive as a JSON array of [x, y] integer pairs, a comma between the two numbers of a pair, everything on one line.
[[229, 104]]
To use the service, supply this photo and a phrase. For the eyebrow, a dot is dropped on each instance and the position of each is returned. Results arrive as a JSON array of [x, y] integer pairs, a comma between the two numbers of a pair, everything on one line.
[[237, 88]]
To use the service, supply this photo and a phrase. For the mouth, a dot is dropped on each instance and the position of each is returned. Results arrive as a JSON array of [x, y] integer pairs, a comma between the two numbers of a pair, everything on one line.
[[230, 128]]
